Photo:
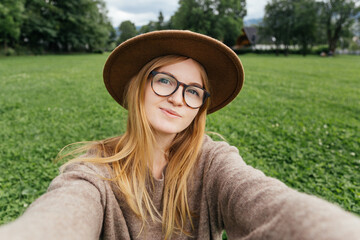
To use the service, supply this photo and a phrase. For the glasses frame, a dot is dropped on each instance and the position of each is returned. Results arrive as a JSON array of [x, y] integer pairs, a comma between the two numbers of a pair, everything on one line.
[[178, 84]]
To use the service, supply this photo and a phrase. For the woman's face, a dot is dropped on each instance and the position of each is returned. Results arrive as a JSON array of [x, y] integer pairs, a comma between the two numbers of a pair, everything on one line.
[[170, 115]]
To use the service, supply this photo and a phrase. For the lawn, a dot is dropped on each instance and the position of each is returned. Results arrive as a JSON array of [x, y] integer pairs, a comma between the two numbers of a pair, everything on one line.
[[296, 119]]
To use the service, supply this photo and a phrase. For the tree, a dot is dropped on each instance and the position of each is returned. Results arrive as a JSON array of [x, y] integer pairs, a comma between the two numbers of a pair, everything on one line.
[[221, 19], [11, 19], [65, 25], [355, 28], [112, 40], [231, 14], [83, 25], [160, 22], [127, 30], [151, 26], [41, 25], [336, 16], [99, 27], [291, 22], [278, 21], [305, 23]]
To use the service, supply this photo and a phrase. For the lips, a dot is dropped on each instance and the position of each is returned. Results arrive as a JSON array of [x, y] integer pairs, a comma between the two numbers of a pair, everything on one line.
[[170, 112]]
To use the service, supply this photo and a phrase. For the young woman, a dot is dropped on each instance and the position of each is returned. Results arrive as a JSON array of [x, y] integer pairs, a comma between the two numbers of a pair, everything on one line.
[[164, 178]]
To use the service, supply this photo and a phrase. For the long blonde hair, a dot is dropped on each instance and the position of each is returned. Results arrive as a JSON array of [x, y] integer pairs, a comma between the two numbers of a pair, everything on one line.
[[128, 156]]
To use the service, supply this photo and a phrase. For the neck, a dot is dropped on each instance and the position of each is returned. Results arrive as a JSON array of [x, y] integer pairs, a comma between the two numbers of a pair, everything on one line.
[[159, 155]]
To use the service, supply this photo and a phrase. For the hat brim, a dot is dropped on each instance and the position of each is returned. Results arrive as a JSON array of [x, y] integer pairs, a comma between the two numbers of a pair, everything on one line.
[[223, 67]]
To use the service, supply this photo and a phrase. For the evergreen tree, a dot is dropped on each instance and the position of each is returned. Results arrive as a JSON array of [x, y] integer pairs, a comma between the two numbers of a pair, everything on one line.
[[127, 30]]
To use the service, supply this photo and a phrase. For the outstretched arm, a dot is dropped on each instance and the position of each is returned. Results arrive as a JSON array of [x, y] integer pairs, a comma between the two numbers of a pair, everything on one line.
[[250, 205], [71, 209]]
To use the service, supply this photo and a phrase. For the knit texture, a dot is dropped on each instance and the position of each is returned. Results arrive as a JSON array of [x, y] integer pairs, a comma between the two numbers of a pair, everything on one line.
[[224, 194]]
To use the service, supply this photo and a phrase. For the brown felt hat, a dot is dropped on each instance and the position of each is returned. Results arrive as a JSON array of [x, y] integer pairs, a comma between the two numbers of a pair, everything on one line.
[[222, 65]]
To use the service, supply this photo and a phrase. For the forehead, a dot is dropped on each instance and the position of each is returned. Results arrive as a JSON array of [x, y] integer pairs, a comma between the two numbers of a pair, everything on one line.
[[185, 71]]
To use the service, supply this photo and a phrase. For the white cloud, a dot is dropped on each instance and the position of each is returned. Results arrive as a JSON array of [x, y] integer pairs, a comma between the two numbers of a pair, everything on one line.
[[255, 8], [117, 16], [140, 6], [141, 12]]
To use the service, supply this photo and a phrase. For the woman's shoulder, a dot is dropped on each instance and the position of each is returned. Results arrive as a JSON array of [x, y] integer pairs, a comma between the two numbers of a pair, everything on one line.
[[211, 147], [87, 168], [92, 179], [215, 153]]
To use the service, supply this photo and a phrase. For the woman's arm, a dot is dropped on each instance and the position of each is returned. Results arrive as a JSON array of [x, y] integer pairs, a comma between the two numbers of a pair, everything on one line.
[[72, 208], [250, 205]]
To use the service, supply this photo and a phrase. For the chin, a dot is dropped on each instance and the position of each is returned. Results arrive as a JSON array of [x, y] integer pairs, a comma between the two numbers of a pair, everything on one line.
[[167, 131]]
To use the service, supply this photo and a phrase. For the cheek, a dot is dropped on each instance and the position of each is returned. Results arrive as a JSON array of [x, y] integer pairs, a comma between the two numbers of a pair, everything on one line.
[[192, 116]]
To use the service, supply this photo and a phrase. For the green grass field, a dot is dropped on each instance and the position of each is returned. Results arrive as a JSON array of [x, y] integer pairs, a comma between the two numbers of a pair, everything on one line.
[[297, 119]]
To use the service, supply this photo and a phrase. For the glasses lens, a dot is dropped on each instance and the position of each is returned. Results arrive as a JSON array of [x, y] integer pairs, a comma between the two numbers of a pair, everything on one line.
[[194, 96], [163, 84]]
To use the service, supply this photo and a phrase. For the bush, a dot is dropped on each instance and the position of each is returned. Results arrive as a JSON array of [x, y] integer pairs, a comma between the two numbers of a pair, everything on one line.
[[99, 51], [354, 46], [317, 50], [8, 52]]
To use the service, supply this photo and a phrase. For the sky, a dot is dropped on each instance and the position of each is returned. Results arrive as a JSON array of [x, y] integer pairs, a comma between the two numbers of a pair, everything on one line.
[[141, 12]]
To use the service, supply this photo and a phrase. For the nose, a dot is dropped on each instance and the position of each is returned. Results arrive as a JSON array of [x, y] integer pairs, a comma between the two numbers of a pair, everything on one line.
[[177, 98]]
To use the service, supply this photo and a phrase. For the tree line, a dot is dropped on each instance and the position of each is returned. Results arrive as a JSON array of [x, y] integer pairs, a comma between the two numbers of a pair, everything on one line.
[[70, 26], [308, 22], [303, 23], [55, 25], [220, 19]]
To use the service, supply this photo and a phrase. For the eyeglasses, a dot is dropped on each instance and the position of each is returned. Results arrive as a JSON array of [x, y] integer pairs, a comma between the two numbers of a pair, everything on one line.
[[165, 85]]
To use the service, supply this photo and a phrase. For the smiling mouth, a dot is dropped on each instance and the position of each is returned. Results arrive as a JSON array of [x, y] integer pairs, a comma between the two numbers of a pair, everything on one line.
[[170, 112]]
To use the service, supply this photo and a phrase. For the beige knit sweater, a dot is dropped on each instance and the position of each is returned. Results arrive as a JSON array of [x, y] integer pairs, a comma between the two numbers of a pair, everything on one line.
[[225, 194]]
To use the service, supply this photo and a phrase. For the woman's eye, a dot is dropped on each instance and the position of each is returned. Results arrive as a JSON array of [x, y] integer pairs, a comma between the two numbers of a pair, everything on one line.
[[193, 92], [164, 81]]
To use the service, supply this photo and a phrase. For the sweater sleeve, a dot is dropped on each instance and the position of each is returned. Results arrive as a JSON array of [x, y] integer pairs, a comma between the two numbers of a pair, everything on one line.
[[249, 205], [72, 208]]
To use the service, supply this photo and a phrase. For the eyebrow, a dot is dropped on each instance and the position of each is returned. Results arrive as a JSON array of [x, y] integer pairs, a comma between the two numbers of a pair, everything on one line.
[[191, 83]]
